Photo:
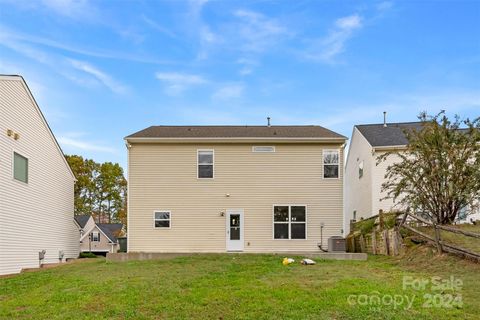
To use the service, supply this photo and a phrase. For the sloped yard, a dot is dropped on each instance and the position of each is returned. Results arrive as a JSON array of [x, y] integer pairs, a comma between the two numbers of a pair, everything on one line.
[[240, 287]]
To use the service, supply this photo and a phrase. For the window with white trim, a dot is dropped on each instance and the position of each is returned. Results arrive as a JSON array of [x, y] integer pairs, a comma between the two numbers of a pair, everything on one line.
[[95, 236], [331, 164], [20, 167], [289, 222], [162, 219], [205, 164]]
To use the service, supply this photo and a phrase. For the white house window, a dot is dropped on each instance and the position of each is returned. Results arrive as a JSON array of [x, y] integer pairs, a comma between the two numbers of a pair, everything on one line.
[[95, 236], [263, 149], [20, 168], [360, 170], [205, 164], [162, 219], [331, 163], [289, 222]]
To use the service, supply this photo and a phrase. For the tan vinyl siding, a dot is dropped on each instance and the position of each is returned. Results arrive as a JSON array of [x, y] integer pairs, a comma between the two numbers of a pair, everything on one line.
[[164, 177], [37, 215]]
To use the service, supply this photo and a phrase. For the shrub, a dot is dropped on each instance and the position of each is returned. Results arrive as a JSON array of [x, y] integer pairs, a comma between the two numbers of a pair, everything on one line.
[[87, 255]]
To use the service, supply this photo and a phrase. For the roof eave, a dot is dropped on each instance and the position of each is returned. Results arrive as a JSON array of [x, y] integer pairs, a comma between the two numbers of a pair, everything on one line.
[[389, 148], [332, 140]]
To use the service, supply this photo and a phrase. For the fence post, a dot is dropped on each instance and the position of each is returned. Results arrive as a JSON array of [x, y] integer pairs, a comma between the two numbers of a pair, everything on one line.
[[386, 242], [374, 242], [362, 244], [380, 219], [437, 238]]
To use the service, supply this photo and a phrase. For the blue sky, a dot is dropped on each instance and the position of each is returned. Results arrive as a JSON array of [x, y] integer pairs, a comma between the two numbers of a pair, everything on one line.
[[101, 70]]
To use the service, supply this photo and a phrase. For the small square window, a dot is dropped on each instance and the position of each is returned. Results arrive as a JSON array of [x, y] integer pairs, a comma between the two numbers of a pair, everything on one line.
[[20, 167], [161, 219]]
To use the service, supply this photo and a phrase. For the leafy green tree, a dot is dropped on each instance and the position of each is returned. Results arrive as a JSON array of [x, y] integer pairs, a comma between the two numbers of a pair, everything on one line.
[[439, 173], [100, 190]]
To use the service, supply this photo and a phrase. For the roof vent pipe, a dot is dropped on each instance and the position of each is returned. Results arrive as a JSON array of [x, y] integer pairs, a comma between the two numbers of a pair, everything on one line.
[[385, 119], [268, 121]]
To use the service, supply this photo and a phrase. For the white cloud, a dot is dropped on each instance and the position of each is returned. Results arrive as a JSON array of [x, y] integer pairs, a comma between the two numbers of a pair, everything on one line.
[[176, 83], [5, 33], [156, 26], [384, 6], [258, 32], [227, 92], [328, 48], [77, 144], [99, 75], [247, 66], [69, 8]]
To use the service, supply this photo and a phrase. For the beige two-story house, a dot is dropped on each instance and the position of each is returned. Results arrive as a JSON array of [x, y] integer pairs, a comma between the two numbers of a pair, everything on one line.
[[234, 188]]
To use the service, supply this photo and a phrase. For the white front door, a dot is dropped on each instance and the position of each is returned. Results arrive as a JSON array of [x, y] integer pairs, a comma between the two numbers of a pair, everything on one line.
[[234, 230]]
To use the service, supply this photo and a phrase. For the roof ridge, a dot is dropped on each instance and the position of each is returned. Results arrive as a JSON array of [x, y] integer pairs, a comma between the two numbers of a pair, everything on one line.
[[388, 123]]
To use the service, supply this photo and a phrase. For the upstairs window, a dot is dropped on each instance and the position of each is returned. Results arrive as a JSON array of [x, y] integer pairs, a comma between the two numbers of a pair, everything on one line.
[[205, 164], [20, 168], [331, 164], [95, 236], [360, 170]]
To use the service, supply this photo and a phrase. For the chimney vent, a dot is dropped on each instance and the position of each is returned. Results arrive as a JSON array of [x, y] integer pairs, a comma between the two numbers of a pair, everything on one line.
[[268, 121], [385, 119]]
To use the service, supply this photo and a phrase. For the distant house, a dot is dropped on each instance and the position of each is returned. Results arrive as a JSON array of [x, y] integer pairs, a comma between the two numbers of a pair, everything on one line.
[[36, 185], [363, 177], [234, 188], [98, 237]]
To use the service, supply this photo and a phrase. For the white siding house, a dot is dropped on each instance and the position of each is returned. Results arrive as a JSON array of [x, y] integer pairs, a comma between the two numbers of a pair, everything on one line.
[[364, 176], [36, 185]]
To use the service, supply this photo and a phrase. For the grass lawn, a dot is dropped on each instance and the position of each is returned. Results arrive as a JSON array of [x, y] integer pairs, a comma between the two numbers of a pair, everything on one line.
[[466, 242], [236, 286]]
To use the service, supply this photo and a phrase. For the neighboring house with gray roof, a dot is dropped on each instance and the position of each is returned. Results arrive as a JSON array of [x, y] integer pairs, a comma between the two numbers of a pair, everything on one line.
[[99, 238], [234, 188], [363, 177]]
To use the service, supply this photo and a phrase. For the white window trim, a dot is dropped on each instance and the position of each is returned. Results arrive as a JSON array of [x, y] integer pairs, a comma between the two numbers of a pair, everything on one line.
[[98, 234], [338, 164], [289, 222], [213, 164], [13, 167], [170, 220], [254, 151]]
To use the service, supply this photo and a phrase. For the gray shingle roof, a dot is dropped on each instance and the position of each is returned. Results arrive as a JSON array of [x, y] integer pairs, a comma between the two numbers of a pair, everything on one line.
[[110, 230], [236, 132], [392, 135], [82, 220]]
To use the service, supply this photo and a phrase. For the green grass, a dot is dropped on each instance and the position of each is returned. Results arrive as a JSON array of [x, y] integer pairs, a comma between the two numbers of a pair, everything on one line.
[[466, 242], [233, 286]]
